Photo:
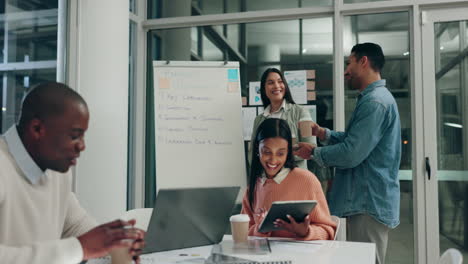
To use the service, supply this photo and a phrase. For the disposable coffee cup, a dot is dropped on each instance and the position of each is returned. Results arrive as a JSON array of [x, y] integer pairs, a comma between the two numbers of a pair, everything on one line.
[[121, 256], [294, 141], [240, 227], [305, 127]]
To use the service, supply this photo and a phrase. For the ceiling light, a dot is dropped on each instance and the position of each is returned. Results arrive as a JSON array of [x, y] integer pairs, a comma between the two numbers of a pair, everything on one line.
[[406, 53], [453, 125], [304, 50], [441, 47]]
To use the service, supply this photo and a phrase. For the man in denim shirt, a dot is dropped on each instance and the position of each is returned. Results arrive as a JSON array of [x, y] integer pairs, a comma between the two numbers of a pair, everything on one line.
[[366, 189]]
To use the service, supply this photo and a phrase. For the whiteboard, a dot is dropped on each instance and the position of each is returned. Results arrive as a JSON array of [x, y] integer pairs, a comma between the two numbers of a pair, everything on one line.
[[297, 83], [312, 110], [198, 125], [254, 94], [248, 119]]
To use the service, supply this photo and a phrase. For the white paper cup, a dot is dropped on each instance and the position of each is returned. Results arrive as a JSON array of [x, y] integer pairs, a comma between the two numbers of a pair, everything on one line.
[[121, 256], [294, 141], [240, 227], [305, 127]]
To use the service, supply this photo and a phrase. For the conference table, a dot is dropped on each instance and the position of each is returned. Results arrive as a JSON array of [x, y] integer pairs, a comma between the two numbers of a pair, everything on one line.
[[282, 252]]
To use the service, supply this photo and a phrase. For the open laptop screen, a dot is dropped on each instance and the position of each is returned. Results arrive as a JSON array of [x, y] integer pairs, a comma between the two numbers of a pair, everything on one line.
[[192, 217]]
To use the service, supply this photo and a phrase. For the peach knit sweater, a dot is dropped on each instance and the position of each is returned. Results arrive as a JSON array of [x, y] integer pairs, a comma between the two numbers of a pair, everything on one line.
[[299, 184]]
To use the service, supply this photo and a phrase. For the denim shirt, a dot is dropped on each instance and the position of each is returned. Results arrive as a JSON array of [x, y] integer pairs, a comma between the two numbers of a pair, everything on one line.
[[367, 159]]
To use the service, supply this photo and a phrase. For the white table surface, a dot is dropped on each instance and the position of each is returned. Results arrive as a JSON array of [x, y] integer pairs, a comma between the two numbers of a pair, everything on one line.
[[319, 251]]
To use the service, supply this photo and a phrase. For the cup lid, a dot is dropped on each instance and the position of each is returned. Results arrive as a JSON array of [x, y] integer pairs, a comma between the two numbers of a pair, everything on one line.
[[239, 218]]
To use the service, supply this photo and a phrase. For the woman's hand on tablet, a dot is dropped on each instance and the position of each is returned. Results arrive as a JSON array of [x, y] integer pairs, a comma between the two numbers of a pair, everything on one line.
[[300, 229]]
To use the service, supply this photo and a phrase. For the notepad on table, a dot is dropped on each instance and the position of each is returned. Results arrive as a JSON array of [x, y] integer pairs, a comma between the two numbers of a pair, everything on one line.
[[226, 259], [255, 251]]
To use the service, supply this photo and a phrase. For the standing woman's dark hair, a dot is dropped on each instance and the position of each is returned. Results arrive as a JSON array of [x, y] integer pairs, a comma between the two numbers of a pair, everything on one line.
[[287, 92], [270, 128]]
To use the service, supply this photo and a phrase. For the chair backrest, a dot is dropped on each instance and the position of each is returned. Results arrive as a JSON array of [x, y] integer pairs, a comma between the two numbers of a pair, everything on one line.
[[141, 215], [340, 234], [451, 256]]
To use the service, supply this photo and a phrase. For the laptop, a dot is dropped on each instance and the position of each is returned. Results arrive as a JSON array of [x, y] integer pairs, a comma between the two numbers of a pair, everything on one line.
[[191, 217]]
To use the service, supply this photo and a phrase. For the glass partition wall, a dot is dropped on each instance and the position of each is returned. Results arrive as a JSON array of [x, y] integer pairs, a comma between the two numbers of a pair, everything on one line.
[[318, 35], [158, 9], [304, 44], [451, 75], [391, 32], [28, 40]]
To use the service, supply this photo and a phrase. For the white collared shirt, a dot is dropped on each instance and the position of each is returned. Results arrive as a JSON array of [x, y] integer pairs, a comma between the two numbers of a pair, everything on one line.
[[25, 162], [277, 114], [282, 174]]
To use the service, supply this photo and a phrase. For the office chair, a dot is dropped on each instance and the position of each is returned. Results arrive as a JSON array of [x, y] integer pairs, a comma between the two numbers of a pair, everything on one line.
[[451, 256], [340, 234]]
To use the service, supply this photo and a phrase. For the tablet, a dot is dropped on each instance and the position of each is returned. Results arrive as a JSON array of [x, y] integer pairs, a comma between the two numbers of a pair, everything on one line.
[[297, 209]]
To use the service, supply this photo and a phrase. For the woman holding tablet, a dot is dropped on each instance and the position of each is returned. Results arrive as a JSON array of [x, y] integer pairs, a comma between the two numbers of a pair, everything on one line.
[[275, 177]]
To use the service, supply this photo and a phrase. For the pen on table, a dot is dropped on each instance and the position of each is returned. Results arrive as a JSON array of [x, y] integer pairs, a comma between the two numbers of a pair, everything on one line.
[[268, 245]]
